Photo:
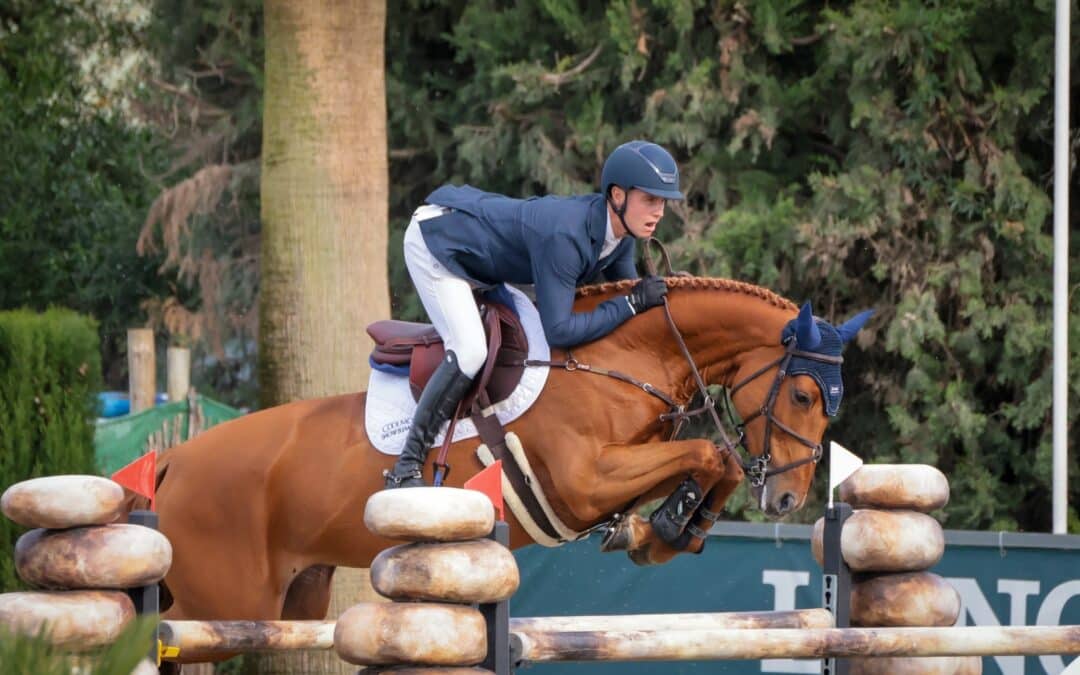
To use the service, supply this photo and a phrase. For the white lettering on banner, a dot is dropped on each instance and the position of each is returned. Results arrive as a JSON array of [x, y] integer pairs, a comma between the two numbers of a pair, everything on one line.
[[975, 610], [784, 583], [1018, 591], [1050, 615], [975, 605]]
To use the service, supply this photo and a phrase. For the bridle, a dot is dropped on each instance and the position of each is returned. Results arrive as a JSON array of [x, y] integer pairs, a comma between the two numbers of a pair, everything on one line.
[[756, 469]]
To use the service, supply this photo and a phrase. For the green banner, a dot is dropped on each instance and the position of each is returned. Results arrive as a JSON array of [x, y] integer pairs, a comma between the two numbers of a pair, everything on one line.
[[121, 440]]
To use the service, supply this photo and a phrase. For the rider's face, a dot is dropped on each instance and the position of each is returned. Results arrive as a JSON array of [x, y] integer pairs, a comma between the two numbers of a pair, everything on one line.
[[643, 212]]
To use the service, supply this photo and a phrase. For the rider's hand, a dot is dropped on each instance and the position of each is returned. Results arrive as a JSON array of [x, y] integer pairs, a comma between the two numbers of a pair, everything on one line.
[[649, 292]]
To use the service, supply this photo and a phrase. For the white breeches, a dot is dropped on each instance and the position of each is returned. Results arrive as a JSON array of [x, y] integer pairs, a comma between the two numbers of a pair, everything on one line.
[[447, 298]]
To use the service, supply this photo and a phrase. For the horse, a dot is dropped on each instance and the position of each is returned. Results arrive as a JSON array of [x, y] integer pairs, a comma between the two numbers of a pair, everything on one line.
[[261, 509]]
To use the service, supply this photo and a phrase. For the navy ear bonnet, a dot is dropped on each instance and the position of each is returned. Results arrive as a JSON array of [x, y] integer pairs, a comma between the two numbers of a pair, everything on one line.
[[812, 334], [827, 375]]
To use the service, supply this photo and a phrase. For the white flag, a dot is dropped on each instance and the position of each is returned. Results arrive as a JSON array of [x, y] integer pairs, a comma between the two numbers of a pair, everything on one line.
[[842, 463]]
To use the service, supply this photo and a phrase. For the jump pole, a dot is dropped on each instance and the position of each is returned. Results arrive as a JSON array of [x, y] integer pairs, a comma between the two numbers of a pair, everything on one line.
[[768, 643], [181, 637]]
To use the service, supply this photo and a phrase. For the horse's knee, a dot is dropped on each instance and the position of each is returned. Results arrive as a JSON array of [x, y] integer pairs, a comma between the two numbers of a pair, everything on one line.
[[710, 462], [731, 470]]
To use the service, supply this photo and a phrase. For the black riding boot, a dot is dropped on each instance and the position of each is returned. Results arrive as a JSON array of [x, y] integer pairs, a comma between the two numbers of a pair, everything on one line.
[[437, 403]]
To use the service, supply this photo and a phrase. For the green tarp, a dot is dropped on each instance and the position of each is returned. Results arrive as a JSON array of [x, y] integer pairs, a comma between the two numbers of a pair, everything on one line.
[[121, 440]]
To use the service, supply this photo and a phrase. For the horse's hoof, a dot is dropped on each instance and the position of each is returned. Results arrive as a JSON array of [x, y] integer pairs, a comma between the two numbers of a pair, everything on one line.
[[617, 538]]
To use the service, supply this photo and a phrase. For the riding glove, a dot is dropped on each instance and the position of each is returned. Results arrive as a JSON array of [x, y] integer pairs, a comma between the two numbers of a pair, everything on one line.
[[649, 292]]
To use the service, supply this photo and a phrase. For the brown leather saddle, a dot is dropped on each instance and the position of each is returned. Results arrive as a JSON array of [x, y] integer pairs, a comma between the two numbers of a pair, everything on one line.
[[419, 346]]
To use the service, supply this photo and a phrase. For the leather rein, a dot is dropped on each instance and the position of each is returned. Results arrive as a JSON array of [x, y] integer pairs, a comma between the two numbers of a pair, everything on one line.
[[756, 468]]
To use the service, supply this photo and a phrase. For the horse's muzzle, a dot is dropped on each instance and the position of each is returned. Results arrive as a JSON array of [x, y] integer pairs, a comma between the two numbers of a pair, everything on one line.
[[775, 504]]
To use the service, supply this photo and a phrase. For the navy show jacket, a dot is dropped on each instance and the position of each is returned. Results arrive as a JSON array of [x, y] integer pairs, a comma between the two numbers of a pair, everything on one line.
[[551, 242]]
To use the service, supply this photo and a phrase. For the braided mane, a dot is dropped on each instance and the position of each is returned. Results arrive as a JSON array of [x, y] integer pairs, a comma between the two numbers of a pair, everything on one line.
[[694, 283]]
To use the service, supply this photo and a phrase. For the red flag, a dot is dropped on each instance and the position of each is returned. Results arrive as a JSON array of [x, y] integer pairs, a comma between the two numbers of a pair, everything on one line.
[[139, 476], [489, 481]]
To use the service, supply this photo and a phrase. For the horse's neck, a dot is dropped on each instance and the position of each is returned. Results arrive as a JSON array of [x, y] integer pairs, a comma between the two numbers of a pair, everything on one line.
[[719, 327]]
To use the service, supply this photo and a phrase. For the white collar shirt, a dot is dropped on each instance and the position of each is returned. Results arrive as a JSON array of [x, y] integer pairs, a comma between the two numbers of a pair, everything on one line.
[[610, 240]]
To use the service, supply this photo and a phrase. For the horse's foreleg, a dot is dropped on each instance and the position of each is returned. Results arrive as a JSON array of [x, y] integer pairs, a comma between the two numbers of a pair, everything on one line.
[[652, 550], [623, 473]]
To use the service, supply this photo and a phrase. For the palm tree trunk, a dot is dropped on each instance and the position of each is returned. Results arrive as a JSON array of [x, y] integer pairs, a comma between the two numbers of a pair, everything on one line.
[[324, 197], [324, 210]]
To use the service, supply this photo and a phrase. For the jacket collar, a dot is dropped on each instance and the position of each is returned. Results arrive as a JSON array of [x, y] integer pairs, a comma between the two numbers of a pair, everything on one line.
[[597, 227], [598, 224]]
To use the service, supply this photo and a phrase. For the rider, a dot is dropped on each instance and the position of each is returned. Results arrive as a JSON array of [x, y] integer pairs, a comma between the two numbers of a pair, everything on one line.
[[463, 239]]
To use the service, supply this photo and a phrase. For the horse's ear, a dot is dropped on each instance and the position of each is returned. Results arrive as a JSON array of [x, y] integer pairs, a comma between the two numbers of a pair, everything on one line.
[[850, 327], [807, 335]]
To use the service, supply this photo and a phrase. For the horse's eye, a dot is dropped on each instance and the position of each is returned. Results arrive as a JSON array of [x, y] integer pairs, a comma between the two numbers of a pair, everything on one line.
[[801, 398]]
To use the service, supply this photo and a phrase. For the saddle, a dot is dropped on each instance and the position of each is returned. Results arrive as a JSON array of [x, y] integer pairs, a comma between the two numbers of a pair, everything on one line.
[[417, 347]]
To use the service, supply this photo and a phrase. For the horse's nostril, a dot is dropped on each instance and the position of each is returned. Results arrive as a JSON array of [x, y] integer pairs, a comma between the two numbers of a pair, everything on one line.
[[787, 503]]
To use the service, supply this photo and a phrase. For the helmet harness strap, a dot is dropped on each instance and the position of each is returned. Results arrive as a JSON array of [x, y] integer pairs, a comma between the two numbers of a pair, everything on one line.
[[620, 211]]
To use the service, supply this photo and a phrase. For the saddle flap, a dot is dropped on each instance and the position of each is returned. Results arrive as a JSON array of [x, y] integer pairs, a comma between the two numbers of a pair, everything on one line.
[[510, 355], [424, 360]]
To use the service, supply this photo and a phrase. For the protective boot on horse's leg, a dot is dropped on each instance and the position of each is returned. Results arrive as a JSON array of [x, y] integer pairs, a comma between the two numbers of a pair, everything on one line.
[[692, 540], [437, 403], [670, 520], [636, 473]]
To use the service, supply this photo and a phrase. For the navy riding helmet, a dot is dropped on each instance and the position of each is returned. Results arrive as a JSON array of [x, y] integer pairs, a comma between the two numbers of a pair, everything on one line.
[[642, 165]]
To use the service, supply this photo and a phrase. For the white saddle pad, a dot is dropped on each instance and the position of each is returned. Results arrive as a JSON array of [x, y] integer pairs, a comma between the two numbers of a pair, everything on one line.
[[390, 404]]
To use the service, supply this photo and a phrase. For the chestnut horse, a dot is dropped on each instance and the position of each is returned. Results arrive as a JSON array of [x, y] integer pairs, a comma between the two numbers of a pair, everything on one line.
[[262, 508]]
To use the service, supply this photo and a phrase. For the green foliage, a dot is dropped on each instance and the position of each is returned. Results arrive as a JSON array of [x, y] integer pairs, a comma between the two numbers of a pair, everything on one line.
[[33, 655], [50, 373], [857, 154], [207, 101], [861, 154], [75, 188], [213, 51]]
